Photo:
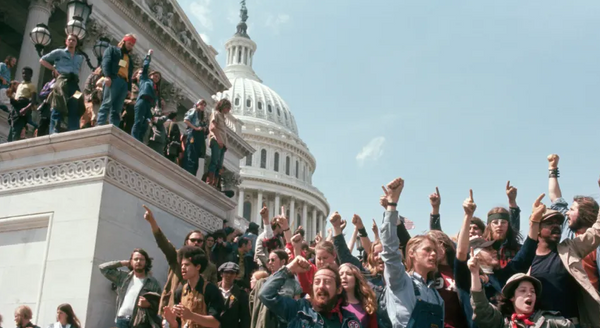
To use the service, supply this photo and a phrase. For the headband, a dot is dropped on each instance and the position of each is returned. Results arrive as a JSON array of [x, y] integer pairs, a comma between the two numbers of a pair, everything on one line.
[[129, 38], [498, 216]]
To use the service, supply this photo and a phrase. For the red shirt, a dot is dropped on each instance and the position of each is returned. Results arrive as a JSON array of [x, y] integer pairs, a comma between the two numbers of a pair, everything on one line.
[[453, 312]]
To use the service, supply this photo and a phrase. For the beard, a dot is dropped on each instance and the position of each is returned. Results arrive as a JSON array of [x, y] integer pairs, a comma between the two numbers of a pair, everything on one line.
[[124, 49], [575, 225], [324, 306], [139, 270]]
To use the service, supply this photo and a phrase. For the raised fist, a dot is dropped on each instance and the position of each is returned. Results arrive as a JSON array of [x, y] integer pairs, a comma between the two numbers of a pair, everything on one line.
[[335, 219], [357, 221], [553, 161]]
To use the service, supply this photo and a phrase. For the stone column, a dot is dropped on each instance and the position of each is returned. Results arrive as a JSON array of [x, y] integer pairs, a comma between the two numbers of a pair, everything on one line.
[[277, 204], [304, 215], [292, 212], [39, 12], [256, 214], [85, 70], [314, 223], [241, 203]]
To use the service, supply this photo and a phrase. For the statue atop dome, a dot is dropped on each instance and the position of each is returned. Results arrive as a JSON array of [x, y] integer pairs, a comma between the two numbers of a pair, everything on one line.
[[242, 28]]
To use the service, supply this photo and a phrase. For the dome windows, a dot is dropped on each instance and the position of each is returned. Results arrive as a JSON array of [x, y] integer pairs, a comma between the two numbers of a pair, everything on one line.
[[285, 114], [237, 101], [248, 102], [263, 159], [260, 105], [278, 111], [269, 108], [287, 165], [276, 162]]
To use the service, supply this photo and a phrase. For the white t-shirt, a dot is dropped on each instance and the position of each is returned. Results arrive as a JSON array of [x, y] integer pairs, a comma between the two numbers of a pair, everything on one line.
[[131, 296]]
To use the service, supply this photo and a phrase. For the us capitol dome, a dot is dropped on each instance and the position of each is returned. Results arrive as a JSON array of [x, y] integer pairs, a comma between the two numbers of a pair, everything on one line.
[[280, 171]]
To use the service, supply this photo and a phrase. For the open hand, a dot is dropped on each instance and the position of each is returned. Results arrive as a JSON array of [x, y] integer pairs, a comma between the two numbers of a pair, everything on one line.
[[538, 209], [469, 205]]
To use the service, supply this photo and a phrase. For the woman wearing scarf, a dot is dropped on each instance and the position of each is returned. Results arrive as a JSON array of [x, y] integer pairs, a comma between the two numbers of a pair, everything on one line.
[[65, 317], [518, 306]]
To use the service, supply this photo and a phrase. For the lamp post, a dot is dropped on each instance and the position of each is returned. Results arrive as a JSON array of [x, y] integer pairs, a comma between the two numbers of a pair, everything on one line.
[[78, 12]]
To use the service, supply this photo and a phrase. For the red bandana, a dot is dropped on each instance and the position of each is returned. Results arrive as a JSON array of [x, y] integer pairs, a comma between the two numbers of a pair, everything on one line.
[[338, 310], [521, 317]]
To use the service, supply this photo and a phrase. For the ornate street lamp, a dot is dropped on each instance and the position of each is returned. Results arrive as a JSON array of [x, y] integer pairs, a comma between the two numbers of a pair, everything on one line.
[[78, 8], [40, 36], [101, 45], [76, 27]]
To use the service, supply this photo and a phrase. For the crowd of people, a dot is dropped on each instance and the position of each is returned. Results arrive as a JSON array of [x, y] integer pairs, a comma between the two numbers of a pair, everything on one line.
[[118, 94], [489, 275]]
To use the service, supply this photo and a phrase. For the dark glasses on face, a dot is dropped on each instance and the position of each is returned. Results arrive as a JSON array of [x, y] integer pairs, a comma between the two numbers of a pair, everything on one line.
[[194, 240]]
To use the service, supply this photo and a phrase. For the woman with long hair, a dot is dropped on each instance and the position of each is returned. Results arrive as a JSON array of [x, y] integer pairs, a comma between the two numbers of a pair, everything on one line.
[[361, 299], [65, 317], [217, 140], [278, 259], [506, 237], [518, 305]]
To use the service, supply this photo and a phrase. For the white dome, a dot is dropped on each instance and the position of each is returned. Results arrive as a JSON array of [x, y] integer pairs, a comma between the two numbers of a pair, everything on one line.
[[252, 99]]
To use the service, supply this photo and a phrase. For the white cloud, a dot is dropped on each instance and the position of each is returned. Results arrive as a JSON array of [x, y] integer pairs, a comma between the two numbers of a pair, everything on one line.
[[201, 10], [371, 152], [274, 22], [205, 38]]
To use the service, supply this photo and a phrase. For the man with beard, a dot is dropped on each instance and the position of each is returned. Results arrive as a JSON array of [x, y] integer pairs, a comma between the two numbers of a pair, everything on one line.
[[23, 317], [130, 286], [325, 307], [580, 216], [117, 68], [565, 286]]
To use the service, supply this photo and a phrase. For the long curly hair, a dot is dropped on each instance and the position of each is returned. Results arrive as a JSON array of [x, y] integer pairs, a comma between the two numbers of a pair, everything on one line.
[[371, 258], [513, 237], [71, 317], [362, 291]]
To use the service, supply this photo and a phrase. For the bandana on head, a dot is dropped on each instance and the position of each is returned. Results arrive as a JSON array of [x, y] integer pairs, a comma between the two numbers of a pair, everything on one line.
[[129, 38]]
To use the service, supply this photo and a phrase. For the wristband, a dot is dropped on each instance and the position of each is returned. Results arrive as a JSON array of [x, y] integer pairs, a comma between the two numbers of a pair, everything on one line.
[[554, 173], [392, 204], [362, 232]]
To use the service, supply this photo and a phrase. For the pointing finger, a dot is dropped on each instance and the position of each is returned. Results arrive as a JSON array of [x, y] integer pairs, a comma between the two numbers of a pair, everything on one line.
[[508, 185], [437, 191], [146, 208], [471, 194], [539, 199], [385, 191]]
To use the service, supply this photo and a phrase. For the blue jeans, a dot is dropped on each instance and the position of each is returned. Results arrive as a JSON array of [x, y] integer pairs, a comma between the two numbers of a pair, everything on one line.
[[195, 147], [142, 114], [122, 322], [112, 102], [216, 157], [72, 112]]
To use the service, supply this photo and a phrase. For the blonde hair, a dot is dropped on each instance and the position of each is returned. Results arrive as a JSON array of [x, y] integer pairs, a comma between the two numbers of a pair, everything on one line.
[[362, 290], [414, 243]]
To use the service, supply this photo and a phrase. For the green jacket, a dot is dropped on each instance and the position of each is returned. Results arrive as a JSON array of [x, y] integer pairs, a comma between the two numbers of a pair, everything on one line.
[[122, 279], [487, 316], [260, 315]]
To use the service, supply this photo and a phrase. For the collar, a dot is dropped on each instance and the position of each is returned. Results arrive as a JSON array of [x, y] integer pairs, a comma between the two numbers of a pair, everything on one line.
[[421, 280], [199, 285], [230, 290]]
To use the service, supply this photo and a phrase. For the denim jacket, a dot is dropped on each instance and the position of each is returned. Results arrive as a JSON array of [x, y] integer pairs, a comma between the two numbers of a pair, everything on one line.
[[298, 313], [400, 294], [146, 85], [110, 64]]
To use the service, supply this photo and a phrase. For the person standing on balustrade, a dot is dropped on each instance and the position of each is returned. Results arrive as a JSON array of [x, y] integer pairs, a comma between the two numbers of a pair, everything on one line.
[[117, 68]]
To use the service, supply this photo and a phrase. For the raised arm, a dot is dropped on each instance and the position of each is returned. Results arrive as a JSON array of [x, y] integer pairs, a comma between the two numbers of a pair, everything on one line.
[[353, 239], [285, 307], [394, 272], [434, 218], [343, 253], [146, 64], [515, 211], [484, 314], [163, 243], [111, 272], [553, 187], [462, 249], [362, 233]]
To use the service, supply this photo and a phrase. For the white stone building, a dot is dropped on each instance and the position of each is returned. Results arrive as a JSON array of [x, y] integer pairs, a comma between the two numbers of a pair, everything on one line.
[[71, 201], [280, 171]]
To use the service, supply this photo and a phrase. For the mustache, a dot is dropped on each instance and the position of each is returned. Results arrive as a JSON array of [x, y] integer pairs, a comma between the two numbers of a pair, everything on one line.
[[556, 231]]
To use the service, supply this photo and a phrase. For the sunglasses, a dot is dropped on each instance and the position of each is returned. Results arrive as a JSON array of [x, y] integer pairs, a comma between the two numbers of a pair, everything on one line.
[[194, 240]]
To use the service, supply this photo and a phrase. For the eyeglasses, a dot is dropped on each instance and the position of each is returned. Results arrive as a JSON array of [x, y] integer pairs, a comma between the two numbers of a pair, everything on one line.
[[194, 240]]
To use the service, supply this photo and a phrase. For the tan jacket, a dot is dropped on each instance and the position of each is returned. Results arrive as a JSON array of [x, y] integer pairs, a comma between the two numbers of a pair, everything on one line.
[[571, 251]]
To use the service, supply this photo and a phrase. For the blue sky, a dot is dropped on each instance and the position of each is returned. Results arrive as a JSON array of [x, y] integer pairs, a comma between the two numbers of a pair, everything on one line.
[[458, 95]]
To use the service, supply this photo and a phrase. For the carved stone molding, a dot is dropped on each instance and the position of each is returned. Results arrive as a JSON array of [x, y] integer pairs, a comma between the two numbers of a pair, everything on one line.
[[239, 223], [104, 168]]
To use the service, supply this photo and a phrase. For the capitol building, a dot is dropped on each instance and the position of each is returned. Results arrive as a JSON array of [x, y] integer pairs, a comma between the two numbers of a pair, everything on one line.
[[280, 172]]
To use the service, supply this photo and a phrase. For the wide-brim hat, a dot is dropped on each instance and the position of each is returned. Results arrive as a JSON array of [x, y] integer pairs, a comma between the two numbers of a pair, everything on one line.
[[480, 243], [553, 213], [513, 282]]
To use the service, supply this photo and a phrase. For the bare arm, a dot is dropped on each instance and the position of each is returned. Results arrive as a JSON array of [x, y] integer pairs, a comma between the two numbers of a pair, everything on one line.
[[553, 186], [462, 249], [353, 239], [49, 66]]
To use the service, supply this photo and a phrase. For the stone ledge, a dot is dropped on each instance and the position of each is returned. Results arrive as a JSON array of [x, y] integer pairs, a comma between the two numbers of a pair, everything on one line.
[[108, 154]]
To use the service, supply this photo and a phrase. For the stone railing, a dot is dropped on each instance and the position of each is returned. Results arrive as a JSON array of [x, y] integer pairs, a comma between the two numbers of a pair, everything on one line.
[[233, 123]]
